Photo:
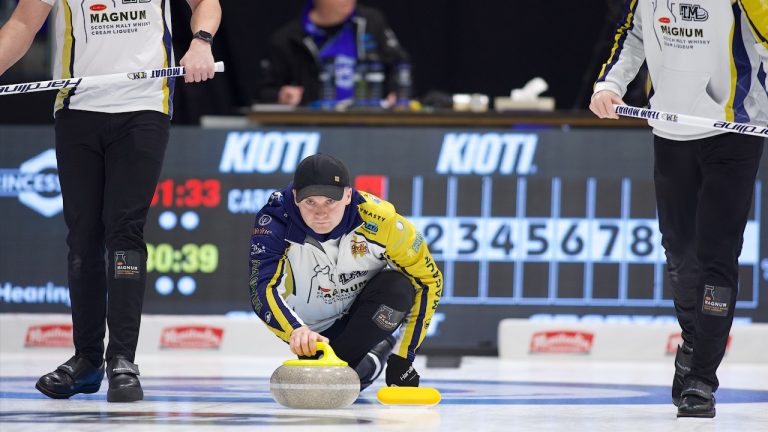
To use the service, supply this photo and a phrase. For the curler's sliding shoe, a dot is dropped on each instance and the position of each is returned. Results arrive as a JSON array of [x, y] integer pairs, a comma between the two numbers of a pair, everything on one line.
[[76, 375]]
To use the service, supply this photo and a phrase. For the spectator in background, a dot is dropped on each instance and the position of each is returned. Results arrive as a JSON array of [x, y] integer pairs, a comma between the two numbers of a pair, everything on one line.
[[328, 32]]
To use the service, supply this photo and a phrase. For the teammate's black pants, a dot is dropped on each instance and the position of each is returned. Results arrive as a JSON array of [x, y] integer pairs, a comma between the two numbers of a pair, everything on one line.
[[109, 165], [375, 314], [704, 192]]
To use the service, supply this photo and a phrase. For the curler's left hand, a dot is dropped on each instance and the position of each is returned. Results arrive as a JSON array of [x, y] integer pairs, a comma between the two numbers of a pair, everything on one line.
[[400, 372]]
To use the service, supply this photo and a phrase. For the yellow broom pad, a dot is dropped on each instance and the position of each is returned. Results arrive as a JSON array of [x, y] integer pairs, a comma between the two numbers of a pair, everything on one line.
[[408, 396]]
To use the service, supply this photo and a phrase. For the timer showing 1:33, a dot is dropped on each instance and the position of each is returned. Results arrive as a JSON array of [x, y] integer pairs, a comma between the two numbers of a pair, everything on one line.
[[192, 193]]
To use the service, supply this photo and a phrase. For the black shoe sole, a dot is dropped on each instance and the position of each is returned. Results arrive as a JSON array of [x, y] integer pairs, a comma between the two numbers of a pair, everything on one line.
[[87, 389], [696, 415], [126, 394]]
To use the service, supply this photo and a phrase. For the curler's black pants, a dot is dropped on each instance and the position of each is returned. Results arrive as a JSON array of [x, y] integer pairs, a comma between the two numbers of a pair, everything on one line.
[[375, 314], [704, 192], [109, 165]]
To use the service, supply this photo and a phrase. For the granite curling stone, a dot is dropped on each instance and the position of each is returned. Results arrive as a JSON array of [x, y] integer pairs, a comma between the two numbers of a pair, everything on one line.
[[325, 383]]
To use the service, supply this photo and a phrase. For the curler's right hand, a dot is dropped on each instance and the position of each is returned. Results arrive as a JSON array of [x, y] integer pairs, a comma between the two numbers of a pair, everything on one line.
[[304, 341]]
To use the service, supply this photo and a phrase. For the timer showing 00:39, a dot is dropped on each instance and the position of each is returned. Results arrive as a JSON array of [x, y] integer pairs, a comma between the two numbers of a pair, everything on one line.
[[190, 258]]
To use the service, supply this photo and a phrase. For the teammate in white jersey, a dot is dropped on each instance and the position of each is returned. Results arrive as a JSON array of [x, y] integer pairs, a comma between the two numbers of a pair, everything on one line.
[[707, 58], [110, 144]]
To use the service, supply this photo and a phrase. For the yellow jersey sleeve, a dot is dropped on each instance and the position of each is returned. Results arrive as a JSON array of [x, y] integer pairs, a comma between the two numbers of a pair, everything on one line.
[[407, 252], [756, 14]]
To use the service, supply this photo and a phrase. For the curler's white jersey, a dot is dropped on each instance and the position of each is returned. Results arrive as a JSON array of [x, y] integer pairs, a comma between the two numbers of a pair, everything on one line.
[[707, 58], [96, 37]]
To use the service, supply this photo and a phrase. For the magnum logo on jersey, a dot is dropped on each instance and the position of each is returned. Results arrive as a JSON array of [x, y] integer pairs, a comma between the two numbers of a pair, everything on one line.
[[333, 295], [111, 17], [682, 31]]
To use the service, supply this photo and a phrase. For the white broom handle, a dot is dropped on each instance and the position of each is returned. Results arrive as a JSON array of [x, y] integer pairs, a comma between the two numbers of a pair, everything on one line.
[[96, 79], [722, 125]]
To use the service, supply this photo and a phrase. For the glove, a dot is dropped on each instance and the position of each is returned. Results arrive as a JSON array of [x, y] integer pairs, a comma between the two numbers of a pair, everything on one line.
[[400, 372]]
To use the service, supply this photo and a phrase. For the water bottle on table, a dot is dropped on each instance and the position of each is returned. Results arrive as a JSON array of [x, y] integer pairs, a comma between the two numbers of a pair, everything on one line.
[[404, 85], [375, 80], [328, 85]]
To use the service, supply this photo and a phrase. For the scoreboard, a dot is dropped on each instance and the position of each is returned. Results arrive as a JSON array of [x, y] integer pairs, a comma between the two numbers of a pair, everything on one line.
[[523, 223], [623, 242]]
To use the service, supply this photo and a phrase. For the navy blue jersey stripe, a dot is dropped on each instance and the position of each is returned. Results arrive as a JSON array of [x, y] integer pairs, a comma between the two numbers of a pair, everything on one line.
[[168, 44], [743, 70], [414, 344], [761, 76], [622, 31]]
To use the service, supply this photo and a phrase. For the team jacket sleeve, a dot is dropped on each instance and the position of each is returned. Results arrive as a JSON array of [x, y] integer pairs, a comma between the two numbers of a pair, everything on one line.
[[627, 53], [407, 252], [755, 12], [271, 279]]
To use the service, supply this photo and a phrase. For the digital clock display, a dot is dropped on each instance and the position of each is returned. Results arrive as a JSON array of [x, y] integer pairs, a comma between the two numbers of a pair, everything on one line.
[[191, 192], [189, 258]]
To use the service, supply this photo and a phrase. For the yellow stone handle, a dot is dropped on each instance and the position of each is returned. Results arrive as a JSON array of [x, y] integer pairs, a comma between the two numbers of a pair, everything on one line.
[[329, 358]]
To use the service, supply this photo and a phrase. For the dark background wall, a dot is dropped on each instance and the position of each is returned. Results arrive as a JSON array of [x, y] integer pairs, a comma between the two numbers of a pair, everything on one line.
[[485, 46]]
